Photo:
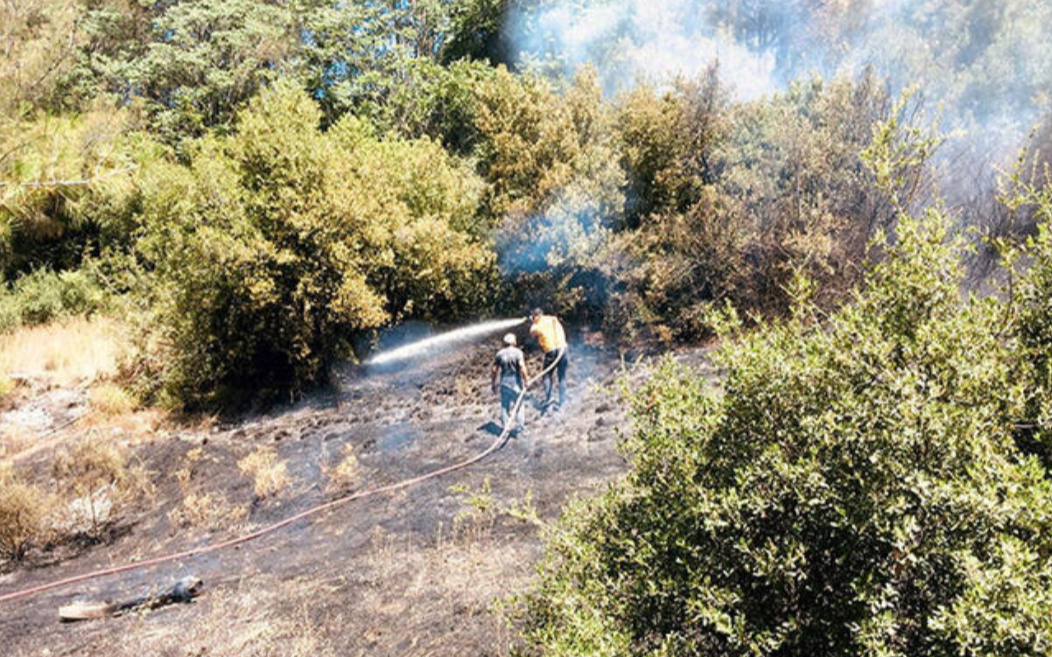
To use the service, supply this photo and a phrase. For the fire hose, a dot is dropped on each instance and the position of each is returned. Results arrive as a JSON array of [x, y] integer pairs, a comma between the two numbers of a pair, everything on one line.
[[239, 540]]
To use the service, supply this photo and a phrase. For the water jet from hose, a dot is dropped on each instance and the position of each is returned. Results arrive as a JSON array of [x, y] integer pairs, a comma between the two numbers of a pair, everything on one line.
[[424, 347]]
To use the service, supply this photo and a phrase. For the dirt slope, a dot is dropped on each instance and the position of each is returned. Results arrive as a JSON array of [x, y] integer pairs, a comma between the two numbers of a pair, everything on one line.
[[420, 571]]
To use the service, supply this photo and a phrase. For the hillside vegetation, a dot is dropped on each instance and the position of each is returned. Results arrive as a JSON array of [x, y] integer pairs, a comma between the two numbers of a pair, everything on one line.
[[260, 186], [873, 482], [252, 192]]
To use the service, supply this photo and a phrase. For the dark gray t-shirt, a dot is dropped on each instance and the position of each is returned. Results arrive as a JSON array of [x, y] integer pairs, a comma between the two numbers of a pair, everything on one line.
[[510, 360]]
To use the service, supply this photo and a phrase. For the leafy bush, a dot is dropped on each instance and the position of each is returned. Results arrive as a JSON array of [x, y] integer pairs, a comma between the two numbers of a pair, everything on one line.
[[555, 186], [1032, 300], [276, 248], [853, 489], [44, 295], [669, 144]]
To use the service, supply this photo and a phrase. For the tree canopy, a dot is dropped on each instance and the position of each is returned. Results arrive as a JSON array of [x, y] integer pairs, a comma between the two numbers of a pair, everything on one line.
[[631, 191]]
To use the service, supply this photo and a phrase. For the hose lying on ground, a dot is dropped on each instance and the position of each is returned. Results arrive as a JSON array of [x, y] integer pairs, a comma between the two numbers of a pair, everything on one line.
[[206, 549]]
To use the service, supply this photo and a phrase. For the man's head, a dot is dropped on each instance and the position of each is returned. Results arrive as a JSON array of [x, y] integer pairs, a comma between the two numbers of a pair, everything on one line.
[[509, 339], [536, 314]]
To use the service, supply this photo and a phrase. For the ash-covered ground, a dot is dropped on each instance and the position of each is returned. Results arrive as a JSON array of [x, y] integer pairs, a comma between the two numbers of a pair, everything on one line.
[[425, 570]]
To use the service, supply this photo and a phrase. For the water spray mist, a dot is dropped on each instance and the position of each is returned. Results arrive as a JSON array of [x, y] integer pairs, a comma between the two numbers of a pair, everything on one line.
[[426, 346]]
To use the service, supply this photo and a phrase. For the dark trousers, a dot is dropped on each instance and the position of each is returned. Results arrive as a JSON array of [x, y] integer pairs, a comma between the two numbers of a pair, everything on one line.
[[557, 371], [508, 397]]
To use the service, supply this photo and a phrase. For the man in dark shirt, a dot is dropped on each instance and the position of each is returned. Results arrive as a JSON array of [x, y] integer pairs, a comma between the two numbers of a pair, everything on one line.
[[509, 375]]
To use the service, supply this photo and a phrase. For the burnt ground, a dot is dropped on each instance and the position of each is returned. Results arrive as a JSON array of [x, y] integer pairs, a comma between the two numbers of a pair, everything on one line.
[[420, 571]]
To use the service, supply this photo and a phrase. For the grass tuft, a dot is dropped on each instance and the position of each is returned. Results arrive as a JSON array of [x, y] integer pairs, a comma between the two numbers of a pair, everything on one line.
[[207, 511], [24, 510], [269, 475], [109, 399], [346, 471]]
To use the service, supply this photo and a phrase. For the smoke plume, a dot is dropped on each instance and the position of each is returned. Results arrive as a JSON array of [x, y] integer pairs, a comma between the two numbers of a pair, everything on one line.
[[984, 68]]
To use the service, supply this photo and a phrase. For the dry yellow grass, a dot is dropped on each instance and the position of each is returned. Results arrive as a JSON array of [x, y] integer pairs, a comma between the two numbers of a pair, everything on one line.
[[13, 440], [24, 509], [346, 472], [97, 474], [63, 353], [207, 511], [269, 474], [110, 399], [77, 352]]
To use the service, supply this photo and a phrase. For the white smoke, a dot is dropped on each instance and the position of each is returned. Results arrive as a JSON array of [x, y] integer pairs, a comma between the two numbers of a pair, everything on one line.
[[641, 40], [984, 69]]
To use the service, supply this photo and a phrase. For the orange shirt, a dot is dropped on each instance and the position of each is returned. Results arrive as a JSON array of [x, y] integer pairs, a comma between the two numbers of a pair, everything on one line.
[[549, 333]]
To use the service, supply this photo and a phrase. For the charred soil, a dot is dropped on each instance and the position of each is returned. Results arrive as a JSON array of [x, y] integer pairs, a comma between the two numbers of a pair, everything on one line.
[[421, 571]]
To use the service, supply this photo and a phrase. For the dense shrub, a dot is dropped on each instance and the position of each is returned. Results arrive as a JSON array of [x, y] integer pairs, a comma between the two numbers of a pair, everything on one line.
[[731, 202], [668, 145], [265, 258], [1032, 300], [555, 187], [853, 489], [681, 244], [43, 296], [810, 202]]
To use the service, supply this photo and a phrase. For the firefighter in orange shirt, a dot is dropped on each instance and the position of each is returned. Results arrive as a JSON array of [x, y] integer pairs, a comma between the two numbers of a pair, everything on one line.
[[548, 331]]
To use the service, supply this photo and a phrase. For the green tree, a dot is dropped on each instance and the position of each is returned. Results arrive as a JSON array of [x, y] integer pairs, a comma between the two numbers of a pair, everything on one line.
[[50, 177], [479, 32], [379, 60], [193, 62], [554, 184]]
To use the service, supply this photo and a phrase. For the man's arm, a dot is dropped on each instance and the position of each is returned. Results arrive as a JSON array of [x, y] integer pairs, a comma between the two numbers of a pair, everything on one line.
[[493, 377]]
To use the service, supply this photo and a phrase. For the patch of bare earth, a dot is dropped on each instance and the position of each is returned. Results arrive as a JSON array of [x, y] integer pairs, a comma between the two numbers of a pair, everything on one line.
[[421, 571]]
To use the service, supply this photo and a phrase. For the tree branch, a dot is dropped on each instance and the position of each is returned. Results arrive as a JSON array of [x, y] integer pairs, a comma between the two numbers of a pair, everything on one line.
[[37, 184]]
